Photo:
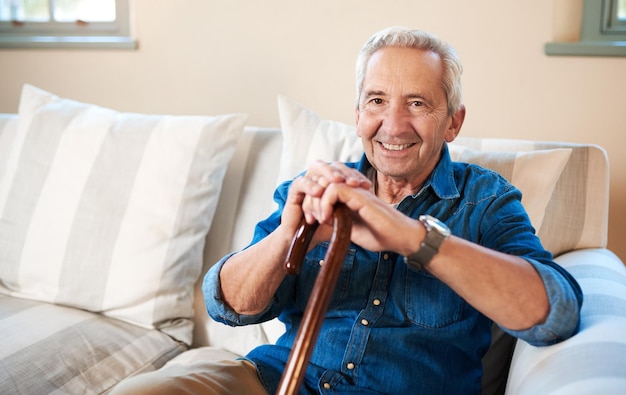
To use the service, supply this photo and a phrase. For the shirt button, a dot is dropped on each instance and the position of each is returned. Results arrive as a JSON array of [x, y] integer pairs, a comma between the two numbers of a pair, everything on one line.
[[365, 322], [350, 366], [327, 386], [376, 302], [321, 262], [385, 256]]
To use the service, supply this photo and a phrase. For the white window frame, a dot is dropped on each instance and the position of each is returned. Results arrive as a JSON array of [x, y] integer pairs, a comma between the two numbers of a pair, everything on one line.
[[53, 34], [601, 32]]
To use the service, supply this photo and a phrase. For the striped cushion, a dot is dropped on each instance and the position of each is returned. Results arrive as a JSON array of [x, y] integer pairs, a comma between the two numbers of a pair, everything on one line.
[[108, 211], [576, 215], [46, 348], [535, 173], [593, 361]]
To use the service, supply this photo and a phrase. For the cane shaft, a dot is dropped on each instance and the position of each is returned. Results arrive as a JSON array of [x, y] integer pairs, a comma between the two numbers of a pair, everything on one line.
[[323, 289]]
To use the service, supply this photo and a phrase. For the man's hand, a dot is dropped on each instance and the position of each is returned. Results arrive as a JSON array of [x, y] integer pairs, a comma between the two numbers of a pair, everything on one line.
[[324, 174], [376, 226]]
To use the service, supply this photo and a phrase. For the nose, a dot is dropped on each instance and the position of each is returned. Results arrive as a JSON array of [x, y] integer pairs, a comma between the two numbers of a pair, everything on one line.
[[395, 119]]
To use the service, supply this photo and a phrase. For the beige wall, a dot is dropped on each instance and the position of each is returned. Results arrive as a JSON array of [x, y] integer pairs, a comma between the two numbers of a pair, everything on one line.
[[216, 56]]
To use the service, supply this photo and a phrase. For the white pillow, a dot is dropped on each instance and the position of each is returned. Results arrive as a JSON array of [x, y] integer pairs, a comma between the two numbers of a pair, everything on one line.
[[108, 211], [306, 137]]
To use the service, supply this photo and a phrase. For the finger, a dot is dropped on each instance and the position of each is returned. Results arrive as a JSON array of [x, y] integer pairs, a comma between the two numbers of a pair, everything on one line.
[[319, 170], [352, 176], [323, 182], [306, 186], [336, 172], [308, 209], [326, 204]]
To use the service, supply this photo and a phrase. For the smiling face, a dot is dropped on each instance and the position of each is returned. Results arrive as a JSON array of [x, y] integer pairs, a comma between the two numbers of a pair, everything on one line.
[[402, 118]]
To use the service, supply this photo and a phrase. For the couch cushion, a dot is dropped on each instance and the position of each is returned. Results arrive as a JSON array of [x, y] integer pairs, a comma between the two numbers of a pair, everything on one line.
[[535, 173], [576, 215], [46, 348], [108, 211], [593, 361], [247, 199], [308, 137], [8, 131]]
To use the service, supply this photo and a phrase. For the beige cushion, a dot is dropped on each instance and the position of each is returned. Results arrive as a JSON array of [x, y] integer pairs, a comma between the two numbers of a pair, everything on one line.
[[51, 349], [576, 216], [108, 211], [308, 137], [535, 173]]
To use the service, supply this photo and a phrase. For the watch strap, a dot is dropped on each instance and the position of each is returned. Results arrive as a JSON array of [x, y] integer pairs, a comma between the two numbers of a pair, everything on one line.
[[428, 249]]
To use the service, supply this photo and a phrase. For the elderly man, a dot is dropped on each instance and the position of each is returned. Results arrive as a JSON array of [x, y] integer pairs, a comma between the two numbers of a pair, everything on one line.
[[439, 250]]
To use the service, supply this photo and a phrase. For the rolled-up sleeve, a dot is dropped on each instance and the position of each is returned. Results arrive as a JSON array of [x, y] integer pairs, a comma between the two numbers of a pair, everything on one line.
[[565, 298], [506, 227], [217, 308]]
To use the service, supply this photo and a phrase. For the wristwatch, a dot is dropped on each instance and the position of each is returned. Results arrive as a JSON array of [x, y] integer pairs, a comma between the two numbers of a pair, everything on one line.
[[436, 233]]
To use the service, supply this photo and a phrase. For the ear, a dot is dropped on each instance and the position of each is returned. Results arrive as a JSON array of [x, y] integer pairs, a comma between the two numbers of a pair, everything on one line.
[[455, 125], [357, 114]]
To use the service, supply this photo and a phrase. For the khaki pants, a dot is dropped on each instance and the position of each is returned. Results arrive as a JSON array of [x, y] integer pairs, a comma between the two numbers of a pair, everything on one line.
[[212, 377]]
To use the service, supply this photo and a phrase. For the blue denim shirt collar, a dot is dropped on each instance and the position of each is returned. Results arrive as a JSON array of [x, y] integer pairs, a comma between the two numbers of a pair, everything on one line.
[[441, 180]]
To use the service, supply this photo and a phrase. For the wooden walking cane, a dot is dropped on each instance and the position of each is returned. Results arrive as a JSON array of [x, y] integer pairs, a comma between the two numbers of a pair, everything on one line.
[[323, 289]]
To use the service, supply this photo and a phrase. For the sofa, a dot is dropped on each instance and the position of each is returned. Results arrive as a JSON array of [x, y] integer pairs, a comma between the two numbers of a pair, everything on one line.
[[108, 221]]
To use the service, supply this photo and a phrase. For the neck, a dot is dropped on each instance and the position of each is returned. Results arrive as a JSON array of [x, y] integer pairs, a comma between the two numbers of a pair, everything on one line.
[[392, 190]]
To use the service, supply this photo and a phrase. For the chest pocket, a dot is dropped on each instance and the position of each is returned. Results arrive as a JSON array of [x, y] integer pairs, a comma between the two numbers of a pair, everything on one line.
[[429, 302], [310, 269]]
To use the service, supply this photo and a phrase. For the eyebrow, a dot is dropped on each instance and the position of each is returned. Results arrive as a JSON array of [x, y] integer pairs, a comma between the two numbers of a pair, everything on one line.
[[373, 93]]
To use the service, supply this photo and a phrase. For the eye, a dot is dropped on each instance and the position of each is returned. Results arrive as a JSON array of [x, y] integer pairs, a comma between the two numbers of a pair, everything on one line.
[[417, 103], [376, 100]]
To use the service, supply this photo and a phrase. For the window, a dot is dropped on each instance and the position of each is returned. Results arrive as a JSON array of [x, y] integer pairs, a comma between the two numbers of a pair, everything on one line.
[[65, 24], [602, 32], [618, 16]]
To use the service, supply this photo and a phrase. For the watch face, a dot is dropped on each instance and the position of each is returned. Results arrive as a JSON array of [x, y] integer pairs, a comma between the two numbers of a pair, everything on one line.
[[436, 224]]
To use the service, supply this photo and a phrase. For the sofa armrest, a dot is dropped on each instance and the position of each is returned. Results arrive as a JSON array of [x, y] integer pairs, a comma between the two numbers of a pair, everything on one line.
[[591, 362]]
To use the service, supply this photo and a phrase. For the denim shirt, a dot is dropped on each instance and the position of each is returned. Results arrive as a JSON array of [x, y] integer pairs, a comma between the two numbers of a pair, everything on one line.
[[391, 329]]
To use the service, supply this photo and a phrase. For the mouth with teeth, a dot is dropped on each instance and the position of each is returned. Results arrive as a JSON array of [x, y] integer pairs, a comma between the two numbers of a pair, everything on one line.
[[395, 147]]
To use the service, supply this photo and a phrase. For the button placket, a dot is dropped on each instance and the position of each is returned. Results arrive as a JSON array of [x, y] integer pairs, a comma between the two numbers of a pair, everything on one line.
[[366, 320]]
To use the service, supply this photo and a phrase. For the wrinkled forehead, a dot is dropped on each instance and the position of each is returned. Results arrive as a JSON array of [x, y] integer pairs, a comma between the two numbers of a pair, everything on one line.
[[403, 69]]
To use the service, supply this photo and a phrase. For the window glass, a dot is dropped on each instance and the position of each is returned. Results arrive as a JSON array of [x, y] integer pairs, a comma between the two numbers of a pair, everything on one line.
[[84, 10], [25, 10], [62, 10]]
